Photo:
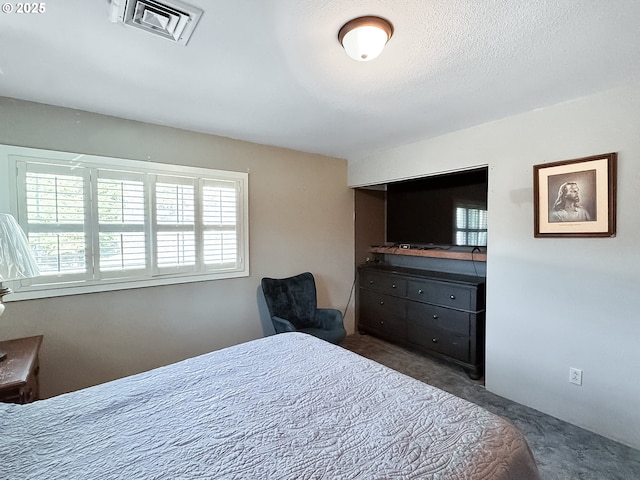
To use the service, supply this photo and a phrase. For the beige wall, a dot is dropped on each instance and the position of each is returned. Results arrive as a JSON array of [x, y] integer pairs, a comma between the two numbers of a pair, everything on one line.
[[552, 303], [300, 218]]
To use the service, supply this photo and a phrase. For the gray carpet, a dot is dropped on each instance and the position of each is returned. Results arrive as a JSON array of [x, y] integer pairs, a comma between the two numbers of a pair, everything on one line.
[[563, 451]]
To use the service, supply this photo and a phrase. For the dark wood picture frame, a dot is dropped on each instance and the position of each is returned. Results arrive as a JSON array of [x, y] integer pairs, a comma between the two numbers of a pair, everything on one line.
[[576, 198]]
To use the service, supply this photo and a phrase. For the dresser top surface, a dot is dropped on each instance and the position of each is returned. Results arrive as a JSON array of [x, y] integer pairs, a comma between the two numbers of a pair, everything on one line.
[[423, 274]]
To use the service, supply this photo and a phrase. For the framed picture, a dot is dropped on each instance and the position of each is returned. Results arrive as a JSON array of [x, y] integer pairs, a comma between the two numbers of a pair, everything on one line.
[[575, 198]]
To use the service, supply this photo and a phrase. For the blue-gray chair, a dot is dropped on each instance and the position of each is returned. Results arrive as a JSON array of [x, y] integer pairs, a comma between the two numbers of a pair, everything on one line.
[[293, 307]]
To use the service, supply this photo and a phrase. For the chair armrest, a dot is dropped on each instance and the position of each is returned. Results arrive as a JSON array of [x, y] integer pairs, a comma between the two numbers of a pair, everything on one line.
[[281, 325], [329, 318]]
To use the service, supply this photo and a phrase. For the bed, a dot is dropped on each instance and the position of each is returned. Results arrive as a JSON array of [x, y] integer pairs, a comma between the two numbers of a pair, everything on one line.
[[288, 406]]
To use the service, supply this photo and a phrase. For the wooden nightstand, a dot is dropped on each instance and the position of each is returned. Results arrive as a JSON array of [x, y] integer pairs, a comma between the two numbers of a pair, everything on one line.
[[19, 379]]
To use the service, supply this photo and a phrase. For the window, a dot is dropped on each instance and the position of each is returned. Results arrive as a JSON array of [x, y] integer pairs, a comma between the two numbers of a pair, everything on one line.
[[471, 226], [96, 223]]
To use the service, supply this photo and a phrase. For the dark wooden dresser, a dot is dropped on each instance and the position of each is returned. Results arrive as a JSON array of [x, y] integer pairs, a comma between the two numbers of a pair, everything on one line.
[[437, 313], [19, 370]]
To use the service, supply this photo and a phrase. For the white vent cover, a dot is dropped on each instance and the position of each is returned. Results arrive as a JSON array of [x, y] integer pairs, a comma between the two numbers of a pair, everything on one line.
[[170, 19]]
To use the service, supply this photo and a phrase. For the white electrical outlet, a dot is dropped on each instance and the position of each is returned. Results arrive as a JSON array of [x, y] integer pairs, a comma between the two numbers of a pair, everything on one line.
[[575, 375]]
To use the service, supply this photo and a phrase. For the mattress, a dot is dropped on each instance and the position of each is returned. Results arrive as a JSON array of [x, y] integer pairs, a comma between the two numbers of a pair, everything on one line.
[[288, 406]]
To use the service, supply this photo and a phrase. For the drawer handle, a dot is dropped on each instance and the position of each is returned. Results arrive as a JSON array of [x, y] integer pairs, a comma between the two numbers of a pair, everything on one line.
[[370, 282], [452, 297], [393, 285], [420, 292], [435, 317], [434, 340], [381, 302]]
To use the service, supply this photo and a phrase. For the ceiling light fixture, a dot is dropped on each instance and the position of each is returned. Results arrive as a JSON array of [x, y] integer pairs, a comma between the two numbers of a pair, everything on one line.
[[364, 38]]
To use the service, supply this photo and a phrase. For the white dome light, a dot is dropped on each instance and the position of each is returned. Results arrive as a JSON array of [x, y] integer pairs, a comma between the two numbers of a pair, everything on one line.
[[364, 38]]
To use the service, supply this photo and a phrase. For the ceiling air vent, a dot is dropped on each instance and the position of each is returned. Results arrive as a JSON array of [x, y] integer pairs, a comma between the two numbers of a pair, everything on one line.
[[170, 19]]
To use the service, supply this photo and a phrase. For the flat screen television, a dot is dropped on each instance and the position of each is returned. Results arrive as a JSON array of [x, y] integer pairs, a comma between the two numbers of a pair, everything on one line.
[[441, 211]]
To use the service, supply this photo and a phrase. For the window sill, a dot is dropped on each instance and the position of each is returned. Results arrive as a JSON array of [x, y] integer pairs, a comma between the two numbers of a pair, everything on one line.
[[62, 290]]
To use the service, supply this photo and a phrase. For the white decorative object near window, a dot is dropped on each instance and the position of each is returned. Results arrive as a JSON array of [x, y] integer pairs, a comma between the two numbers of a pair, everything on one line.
[[98, 223]]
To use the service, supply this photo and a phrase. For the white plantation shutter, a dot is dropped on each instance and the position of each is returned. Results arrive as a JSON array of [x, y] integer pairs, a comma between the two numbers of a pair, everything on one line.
[[175, 226], [104, 224], [220, 222], [123, 223], [53, 206]]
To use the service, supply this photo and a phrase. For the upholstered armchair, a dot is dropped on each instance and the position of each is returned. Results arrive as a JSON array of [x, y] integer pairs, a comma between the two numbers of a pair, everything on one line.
[[292, 304]]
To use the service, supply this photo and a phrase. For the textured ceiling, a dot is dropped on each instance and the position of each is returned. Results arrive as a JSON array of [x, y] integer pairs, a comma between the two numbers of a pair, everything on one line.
[[273, 72]]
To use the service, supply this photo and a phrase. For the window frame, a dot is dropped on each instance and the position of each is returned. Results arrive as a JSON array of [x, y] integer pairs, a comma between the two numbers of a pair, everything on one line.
[[468, 207], [13, 201]]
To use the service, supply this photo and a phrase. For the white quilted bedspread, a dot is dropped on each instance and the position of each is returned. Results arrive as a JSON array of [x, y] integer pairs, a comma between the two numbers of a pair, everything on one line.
[[283, 407]]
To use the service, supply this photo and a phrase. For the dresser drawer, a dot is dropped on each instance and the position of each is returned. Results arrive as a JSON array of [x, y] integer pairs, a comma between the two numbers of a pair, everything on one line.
[[430, 332], [440, 341], [454, 322], [382, 314], [386, 283], [446, 294]]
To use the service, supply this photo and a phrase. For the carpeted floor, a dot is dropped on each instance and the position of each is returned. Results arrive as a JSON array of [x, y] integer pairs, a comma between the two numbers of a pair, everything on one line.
[[563, 451]]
